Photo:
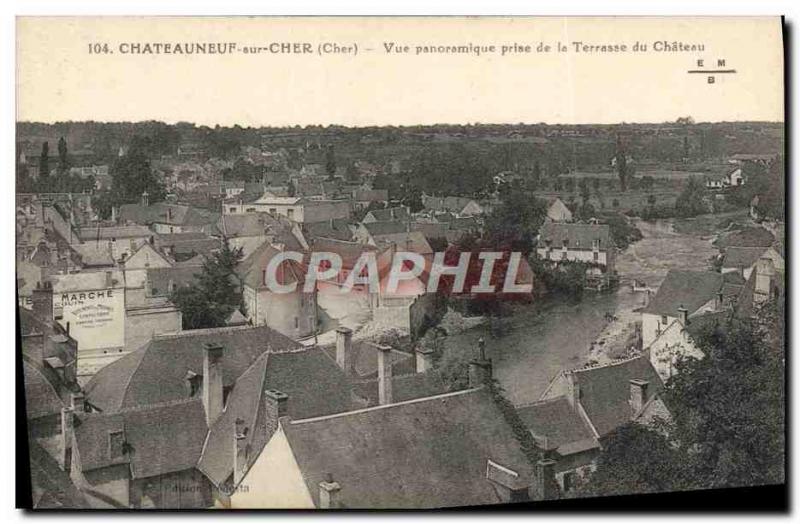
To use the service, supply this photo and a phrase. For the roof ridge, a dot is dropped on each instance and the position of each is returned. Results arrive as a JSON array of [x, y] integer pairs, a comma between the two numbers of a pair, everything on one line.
[[145, 407], [613, 362], [541, 402], [385, 406]]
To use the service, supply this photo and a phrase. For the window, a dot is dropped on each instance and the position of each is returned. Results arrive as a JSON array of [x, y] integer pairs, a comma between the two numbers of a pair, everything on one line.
[[232, 209], [272, 210], [290, 213], [596, 256], [664, 319], [296, 323], [116, 444], [568, 481], [563, 255]]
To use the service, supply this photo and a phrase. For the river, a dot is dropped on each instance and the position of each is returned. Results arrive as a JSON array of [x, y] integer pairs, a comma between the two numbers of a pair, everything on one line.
[[556, 335]]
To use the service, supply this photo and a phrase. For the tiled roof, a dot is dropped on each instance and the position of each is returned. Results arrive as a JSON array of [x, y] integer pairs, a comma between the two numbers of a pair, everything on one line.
[[742, 257], [166, 213], [413, 241], [349, 251], [41, 396], [555, 423], [425, 453], [690, 289], [390, 214], [337, 229], [449, 203], [107, 233], [162, 438], [605, 390], [576, 236], [251, 268], [750, 237], [156, 373], [404, 387], [180, 276], [385, 228]]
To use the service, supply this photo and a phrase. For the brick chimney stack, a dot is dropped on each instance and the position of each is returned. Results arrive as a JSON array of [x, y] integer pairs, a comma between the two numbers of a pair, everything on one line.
[[424, 358], [638, 396], [480, 368], [212, 381], [329, 493], [65, 441], [239, 451], [546, 486], [683, 315], [384, 374], [344, 350], [42, 299], [276, 404]]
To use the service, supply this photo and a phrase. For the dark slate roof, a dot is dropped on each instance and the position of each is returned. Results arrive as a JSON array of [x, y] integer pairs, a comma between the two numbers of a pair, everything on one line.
[[365, 358], [577, 236], [450, 203], [605, 390], [184, 243], [690, 289], [405, 387], [181, 276], [742, 257], [554, 423], [41, 395], [163, 438], [52, 487], [390, 214], [156, 373], [425, 453], [337, 229], [109, 232], [166, 213], [745, 300], [750, 237], [385, 228], [413, 241]]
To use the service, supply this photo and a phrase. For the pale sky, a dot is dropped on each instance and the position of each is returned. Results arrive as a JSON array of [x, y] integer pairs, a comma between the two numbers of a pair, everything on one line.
[[59, 80]]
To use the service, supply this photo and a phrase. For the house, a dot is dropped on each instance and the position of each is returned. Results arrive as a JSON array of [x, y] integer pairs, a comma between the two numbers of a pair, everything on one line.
[[250, 230], [565, 435], [748, 237], [362, 198], [732, 178], [588, 243], [168, 218], [146, 256], [744, 259], [109, 313], [293, 314], [119, 241], [608, 396], [682, 294], [372, 457], [173, 424], [680, 340], [392, 214], [297, 208], [460, 206], [557, 211], [181, 247], [337, 229]]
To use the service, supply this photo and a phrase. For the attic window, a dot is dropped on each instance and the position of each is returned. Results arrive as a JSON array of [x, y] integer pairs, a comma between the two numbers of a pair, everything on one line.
[[566, 243], [116, 444]]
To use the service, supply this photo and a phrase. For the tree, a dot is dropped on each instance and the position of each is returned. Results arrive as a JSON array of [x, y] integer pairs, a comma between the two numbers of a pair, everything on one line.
[[216, 293], [584, 189], [622, 165], [330, 162], [63, 163], [727, 417], [44, 162], [131, 175], [690, 201]]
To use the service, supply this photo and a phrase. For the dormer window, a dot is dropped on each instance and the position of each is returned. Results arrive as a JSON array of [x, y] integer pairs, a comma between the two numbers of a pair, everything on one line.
[[116, 444]]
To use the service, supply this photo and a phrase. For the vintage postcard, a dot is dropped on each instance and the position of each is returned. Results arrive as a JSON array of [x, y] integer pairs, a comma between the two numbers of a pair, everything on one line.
[[398, 263]]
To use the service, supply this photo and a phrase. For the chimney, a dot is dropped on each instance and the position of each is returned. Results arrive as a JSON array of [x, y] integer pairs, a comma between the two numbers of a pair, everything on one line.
[[240, 451], [546, 487], [720, 300], [212, 381], [78, 402], [114, 214], [683, 315], [65, 458], [424, 359], [480, 369], [169, 214], [277, 406], [344, 350], [42, 298], [145, 199], [329, 493], [574, 390], [638, 395], [384, 374]]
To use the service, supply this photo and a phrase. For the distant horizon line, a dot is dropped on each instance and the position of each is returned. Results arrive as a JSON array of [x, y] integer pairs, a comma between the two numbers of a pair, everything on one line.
[[361, 126]]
